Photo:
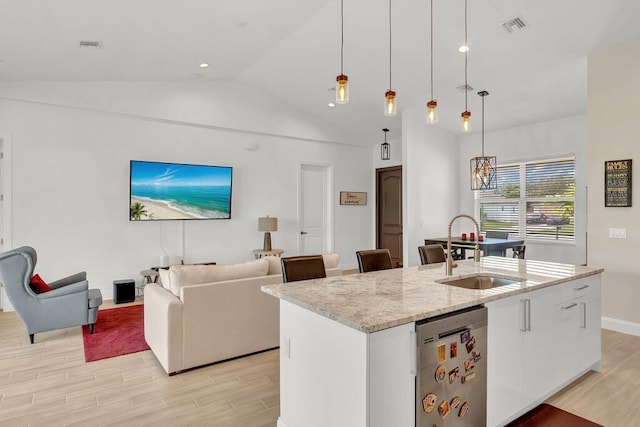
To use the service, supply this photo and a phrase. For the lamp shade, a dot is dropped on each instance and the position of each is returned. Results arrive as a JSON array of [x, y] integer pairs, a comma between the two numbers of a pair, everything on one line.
[[268, 223]]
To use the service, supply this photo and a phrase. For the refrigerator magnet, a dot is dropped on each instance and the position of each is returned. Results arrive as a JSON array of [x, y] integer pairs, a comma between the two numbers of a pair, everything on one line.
[[463, 409], [453, 374], [470, 344], [453, 350], [454, 402], [469, 364], [444, 409], [441, 374], [442, 352], [468, 377], [465, 336], [429, 402]]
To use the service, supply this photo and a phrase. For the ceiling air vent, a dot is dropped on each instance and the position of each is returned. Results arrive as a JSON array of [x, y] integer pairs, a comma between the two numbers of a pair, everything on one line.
[[514, 24], [88, 44]]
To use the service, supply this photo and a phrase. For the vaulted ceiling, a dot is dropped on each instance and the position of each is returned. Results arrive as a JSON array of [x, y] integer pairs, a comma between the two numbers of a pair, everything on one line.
[[291, 49]]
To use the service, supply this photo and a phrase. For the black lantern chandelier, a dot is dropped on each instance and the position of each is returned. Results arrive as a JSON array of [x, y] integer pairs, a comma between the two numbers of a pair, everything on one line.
[[385, 147], [483, 168]]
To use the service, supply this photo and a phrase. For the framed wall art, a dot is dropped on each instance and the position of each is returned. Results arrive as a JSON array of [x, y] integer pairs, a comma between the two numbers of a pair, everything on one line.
[[357, 198], [617, 183]]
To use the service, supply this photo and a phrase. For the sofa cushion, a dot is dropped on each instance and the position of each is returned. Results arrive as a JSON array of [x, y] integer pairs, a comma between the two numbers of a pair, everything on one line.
[[330, 260], [164, 278], [274, 264], [183, 275], [275, 267]]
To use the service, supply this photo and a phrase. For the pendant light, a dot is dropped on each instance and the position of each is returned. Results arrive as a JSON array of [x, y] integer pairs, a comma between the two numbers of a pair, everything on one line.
[[466, 114], [390, 95], [432, 114], [483, 169], [385, 147], [342, 81]]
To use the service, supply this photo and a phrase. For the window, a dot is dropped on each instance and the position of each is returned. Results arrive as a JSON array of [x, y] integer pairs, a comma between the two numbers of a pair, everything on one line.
[[534, 200]]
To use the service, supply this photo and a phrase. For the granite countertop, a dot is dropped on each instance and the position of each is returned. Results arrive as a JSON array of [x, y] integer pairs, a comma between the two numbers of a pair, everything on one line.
[[379, 300]]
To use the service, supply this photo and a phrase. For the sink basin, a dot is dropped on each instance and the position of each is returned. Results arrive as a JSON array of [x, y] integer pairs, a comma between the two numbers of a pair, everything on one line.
[[479, 282]]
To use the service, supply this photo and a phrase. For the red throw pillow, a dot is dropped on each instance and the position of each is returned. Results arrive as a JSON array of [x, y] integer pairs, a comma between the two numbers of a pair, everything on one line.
[[38, 285]]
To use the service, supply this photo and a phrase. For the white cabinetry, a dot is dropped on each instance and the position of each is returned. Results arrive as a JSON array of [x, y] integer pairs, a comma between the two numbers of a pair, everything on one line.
[[521, 334], [539, 342]]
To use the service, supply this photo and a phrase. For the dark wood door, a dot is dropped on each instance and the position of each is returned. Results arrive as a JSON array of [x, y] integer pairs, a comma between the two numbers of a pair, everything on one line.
[[389, 211]]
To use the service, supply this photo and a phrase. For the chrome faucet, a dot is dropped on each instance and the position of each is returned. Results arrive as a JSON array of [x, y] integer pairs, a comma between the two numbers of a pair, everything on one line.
[[451, 264]]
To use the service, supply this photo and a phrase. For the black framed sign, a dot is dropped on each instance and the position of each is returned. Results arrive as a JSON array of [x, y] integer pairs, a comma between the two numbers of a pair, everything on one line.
[[617, 183]]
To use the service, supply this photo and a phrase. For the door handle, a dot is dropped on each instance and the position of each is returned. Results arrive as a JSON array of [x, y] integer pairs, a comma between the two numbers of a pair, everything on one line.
[[569, 306], [303, 232]]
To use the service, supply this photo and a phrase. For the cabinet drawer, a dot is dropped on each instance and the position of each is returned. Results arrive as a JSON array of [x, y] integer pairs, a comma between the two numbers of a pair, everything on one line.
[[580, 287]]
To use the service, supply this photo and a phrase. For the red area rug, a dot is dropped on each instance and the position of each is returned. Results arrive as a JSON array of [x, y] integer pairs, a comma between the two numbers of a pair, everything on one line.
[[547, 415], [117, 331]]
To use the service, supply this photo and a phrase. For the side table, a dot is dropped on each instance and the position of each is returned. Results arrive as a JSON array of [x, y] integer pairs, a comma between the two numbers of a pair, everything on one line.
[[259, 253], [150, 275]]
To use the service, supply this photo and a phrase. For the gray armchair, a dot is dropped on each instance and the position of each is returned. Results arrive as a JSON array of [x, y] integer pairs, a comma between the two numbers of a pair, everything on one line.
[[70, 302]]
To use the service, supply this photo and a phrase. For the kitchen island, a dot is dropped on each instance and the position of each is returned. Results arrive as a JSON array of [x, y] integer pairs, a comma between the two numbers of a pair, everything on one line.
[[348, 345]]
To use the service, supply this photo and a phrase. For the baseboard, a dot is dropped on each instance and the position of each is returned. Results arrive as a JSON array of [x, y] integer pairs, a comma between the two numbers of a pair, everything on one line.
[[280, 423], [622, 326]]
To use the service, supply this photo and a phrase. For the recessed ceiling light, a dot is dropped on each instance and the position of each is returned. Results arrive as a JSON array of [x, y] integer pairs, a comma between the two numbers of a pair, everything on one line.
[[463, 49], [204, 65], [331, 104]]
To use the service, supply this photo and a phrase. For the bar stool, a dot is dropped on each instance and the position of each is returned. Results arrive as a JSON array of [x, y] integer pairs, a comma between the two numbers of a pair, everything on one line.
[[431, 254], [374, 260], [302, 267]]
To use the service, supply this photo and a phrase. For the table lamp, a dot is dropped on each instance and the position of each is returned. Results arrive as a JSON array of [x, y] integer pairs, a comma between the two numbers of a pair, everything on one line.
[[267, 224]]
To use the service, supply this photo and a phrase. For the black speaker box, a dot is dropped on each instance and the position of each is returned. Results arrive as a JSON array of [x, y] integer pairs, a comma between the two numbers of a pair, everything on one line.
[[124, 291]]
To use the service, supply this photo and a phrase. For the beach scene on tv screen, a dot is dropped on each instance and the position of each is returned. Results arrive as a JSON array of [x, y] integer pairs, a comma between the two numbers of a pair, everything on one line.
[[176, 191]]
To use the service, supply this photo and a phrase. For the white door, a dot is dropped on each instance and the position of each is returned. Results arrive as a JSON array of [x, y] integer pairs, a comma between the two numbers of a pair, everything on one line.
[[5, 208], [315, 209]]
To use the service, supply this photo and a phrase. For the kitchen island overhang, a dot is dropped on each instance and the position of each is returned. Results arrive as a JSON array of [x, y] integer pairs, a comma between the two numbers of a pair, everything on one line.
[[374, 301]]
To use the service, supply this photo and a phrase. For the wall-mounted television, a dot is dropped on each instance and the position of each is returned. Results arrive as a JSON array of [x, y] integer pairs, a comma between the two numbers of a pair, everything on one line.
[[164, 191]]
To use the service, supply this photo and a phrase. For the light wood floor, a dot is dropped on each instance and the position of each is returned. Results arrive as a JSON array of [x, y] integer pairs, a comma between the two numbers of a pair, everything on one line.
[[49, 384]]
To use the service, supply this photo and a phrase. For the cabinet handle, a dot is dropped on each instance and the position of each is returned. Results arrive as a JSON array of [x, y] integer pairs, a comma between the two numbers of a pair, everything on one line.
[[583, 306], [526, 312], [581, 288], [413, 354], [570, 306], [303, 232]]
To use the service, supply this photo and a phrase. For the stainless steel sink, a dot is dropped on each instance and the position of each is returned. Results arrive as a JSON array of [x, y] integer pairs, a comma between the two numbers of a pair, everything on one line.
[[479, 281]]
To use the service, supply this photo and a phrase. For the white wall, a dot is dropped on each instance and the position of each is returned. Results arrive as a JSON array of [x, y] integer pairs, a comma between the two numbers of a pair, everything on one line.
[[613, 93], [544, 140], [431, 180], [71, 174]]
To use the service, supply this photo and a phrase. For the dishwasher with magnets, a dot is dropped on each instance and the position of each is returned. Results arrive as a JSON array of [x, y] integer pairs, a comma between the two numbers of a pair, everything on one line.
[[451, 385]]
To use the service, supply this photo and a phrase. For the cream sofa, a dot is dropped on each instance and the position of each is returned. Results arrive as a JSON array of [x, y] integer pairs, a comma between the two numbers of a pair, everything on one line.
[[200, 314]]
